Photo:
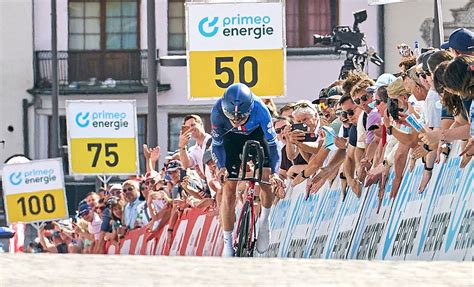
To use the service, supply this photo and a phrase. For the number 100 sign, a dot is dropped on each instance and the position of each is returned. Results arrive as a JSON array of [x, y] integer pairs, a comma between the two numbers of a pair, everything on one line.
[[102, 137], [34, 191]]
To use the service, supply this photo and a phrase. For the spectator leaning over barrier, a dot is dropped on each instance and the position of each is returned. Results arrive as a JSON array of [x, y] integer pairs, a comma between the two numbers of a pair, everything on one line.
[[374, 120], [353, 112], [51, 240], [93, 224], [304, 113], [133, 206], [397, 126], [193, 128], [363, 100], [173, 179]]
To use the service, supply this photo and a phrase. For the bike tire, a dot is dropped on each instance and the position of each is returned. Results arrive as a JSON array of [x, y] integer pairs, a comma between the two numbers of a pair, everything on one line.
[[244, 244]]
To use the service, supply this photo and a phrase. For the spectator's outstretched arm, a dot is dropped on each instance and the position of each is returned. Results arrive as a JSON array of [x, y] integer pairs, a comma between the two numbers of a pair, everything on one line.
[[151, 157], [458, 133], [315, 163], [399, 166]]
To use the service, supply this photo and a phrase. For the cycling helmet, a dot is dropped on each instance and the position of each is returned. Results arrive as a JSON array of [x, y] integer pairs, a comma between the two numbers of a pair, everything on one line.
[[237, 102]]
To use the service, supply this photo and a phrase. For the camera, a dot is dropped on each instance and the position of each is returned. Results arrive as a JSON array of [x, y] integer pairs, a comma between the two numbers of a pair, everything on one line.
[[349, 40]]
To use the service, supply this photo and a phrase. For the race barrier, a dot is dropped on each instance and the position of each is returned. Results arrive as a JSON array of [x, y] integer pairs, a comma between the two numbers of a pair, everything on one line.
[[434, 225]]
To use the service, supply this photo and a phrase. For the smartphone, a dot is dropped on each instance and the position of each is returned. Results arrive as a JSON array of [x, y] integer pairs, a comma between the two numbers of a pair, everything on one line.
[[392, 108], [301, 127], [310, 137], [182, 174], [184, 129]]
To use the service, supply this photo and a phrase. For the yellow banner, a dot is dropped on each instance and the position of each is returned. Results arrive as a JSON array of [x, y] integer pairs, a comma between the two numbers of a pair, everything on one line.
[[36, 206], [211, 72], [103, 156]]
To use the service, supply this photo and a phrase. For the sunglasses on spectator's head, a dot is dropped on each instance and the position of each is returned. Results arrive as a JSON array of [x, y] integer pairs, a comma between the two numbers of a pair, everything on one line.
[[303, 105], [128, 189], [362, 98], [280, 129]]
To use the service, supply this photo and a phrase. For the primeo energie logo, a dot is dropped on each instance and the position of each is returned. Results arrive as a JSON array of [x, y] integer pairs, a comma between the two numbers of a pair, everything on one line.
[[33, 176], [101, 119], [236, 26]]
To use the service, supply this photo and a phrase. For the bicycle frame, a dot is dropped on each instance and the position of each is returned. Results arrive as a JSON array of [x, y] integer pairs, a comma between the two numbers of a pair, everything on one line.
[[258, 158]]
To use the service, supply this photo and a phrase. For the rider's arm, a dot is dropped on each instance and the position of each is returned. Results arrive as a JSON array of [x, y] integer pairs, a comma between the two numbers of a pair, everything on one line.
[[217, 137]]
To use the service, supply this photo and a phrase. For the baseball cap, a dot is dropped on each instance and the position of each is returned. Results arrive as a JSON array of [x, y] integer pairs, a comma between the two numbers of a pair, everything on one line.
[[382, 80], [424, 59], [206, 156], [116, 186], [461, 39], [174, 165], [83, 209]]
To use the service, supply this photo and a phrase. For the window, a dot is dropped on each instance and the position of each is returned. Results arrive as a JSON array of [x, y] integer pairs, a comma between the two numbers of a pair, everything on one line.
[[103, 24], [176, 26], [175, 121], [307, 17]]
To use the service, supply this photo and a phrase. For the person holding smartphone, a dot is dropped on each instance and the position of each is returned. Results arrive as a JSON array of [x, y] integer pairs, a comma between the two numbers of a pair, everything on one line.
[[193, 128]]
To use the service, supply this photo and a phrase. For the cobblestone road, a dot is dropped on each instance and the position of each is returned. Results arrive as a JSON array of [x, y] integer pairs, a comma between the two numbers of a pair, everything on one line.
[[89, 270]]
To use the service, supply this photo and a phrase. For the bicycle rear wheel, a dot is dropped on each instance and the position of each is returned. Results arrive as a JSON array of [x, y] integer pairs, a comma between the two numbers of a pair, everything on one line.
[[245, 240]]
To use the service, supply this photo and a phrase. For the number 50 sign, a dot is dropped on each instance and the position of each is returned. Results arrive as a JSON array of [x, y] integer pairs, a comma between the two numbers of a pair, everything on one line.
[[102, 137], [235, 43]]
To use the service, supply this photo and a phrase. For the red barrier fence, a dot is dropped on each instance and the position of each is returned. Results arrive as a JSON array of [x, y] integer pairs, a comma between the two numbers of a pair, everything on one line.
[[197, 233]]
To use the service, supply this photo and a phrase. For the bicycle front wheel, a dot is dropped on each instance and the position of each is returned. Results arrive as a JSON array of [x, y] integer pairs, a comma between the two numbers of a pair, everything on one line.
[[244, 238]]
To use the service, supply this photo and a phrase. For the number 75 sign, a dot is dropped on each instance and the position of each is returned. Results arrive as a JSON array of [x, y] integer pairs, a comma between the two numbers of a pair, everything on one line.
[[102, 137]]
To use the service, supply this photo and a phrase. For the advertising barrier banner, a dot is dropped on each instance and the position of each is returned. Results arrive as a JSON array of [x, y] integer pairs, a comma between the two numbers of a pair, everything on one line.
[[433, 225]]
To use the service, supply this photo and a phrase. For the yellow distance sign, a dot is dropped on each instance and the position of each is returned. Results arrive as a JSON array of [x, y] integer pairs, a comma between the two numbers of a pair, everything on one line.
[[211, 72], [98, 155], [36, 206]]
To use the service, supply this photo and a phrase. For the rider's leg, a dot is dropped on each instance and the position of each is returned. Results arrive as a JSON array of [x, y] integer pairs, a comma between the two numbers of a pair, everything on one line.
[[266, 198], [227, 214]]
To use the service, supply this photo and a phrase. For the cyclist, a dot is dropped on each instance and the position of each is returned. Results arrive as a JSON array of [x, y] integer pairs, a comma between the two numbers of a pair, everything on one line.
[[237, 117]]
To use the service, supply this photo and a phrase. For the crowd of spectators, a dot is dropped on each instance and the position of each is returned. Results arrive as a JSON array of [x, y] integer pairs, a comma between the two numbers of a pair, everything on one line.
[[358, 129]]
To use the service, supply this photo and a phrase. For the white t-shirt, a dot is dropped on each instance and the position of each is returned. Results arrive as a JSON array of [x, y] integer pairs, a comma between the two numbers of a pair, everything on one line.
[[432, 111], [361, 132], [94, 226], [196, 152]]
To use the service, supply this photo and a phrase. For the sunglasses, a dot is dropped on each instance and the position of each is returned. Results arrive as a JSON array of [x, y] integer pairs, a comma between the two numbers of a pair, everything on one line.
[[128, 189], [280, 130], [101, 207], [349, 112], [423, 74], [363, 98], [150, 182], [379, 101], [303, 105]]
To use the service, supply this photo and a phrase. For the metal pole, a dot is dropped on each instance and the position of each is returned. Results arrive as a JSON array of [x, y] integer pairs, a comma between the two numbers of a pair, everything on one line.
[[54, 88], [152, 80], [438, 31]]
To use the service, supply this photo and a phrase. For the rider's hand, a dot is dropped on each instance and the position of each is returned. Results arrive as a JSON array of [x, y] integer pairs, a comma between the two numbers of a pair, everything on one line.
[[222, 175]]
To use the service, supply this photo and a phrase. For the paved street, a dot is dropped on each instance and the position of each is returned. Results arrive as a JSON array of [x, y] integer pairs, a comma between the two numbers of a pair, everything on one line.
[[78, 270]]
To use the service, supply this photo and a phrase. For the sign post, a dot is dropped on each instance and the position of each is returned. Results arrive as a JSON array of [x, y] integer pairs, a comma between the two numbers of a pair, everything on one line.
[[34, 191], [102, 138], [235, 42]]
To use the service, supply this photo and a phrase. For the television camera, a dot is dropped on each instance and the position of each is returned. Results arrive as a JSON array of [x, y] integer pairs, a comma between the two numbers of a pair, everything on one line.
[[345, 39]]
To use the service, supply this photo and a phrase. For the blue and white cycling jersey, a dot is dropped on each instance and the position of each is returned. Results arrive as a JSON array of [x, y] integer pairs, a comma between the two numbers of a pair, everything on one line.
[[259, 117]]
